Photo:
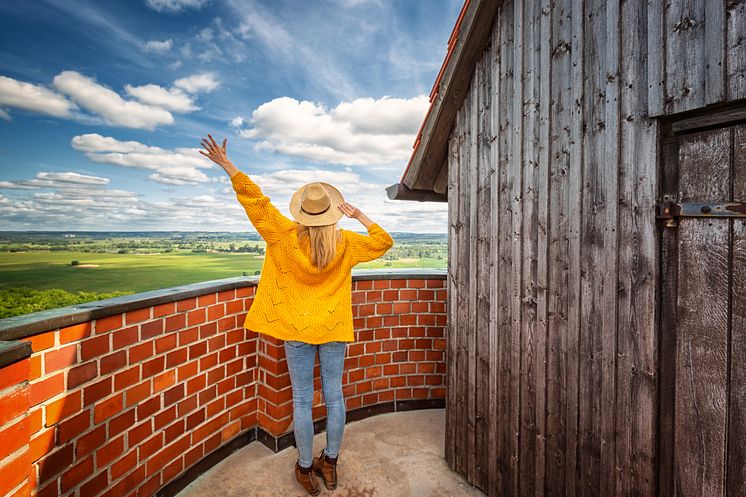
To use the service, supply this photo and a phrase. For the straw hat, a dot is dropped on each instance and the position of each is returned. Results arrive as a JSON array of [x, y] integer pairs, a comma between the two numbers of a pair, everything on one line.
[[316, 204]]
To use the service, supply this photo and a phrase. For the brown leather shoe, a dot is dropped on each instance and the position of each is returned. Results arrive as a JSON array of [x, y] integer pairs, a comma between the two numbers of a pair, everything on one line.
[[326, 468], [307, 479]]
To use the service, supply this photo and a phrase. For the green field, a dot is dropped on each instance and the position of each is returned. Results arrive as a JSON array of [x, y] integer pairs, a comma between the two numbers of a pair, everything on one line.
[[46, 270]]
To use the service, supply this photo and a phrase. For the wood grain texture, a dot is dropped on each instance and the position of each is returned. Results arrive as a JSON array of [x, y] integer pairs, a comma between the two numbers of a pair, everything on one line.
[[736, 477], [735, 73], [702, 331]]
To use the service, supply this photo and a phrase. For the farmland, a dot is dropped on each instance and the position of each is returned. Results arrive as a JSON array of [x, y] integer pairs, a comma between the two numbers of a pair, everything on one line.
[[53, 265]]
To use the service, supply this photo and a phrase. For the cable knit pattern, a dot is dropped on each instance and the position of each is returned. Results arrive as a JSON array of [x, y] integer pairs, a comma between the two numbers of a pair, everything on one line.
[[295, 300]]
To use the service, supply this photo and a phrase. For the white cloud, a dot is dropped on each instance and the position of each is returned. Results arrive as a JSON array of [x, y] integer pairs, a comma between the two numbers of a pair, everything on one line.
[[368, 196], [175, 5], [5, 116], [108, 104], [362, 132], [65, 180], [175, 65], [172, 99], [179, 166], [158, 46], [236, 122], [36, 98], [196, 83]]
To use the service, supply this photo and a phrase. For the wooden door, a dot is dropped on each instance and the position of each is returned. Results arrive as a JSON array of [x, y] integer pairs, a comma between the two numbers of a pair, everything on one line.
[[703, 317]]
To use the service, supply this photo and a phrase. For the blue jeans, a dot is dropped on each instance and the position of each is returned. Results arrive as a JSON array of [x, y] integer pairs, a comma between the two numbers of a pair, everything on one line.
[[301, 357]]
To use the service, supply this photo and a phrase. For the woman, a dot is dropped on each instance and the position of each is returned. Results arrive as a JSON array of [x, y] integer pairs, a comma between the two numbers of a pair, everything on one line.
[[304, 298]]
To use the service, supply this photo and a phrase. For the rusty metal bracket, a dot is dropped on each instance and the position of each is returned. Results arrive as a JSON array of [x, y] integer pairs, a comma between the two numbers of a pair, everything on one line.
[[669, 210]]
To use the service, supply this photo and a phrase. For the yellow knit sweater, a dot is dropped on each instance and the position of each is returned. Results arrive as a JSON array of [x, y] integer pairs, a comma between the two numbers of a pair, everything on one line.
[[294, 300]]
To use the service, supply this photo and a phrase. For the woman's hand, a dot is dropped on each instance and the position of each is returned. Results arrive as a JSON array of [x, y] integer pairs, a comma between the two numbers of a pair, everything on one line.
[[349, 210], [218, 154], [355, 213]]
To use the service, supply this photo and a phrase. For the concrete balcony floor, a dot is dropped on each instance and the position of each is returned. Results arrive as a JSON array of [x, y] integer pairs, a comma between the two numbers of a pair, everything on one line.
[[389, 455]]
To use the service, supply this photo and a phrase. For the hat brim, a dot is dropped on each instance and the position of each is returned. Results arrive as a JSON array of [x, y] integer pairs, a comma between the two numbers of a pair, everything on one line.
[[330, 216]]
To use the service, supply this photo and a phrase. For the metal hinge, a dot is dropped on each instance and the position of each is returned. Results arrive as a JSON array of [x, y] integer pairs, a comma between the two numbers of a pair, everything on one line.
[[670, 209]]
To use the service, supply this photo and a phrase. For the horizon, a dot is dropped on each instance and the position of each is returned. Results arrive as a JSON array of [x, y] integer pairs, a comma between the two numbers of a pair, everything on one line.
[[102, 107]]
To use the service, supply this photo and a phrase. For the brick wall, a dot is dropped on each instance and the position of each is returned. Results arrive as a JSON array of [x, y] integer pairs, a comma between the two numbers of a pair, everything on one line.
[[124, 404]]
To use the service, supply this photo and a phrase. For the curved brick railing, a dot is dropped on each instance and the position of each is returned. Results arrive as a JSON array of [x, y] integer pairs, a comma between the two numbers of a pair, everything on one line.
[[138, 395]]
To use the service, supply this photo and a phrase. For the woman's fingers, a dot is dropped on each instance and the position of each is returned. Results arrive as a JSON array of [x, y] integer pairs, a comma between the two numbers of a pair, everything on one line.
[[225, 142]]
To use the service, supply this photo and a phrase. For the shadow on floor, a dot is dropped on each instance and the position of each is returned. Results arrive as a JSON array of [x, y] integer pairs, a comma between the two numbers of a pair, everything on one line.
[[390, 455]]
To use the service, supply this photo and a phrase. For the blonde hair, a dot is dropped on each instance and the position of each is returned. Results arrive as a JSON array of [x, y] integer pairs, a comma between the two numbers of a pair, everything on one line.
[[323, 242]]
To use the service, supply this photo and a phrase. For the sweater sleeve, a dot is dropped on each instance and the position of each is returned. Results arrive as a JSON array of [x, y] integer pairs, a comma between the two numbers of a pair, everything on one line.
[[365, 248], [266, 218]]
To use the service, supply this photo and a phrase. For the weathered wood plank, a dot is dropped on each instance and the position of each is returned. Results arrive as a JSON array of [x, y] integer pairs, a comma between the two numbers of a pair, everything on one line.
[[736, 476], [668, 322], [454, 272], [714, 50], [495, 278], [544, 41], [527, 289], [575, 206], [736, 50], [636, 383], [608, 181], [516, 174], [685, 57], [471, 117], [506, 206], [656, 58], [702, 333], [592, 322], [482, 251], [558, 235]]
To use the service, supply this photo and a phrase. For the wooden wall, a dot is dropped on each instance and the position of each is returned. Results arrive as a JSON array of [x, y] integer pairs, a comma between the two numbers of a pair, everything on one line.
[[552, 348], [697, 53]]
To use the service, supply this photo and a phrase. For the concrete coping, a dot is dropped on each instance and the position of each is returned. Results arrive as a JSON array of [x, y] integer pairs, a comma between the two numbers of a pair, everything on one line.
[[31, 324]]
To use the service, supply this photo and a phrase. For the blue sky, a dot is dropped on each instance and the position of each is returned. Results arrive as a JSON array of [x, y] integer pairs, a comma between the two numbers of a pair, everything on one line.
[[103, 103]]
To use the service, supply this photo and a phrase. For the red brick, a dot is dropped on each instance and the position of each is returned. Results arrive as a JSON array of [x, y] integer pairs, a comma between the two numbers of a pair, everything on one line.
[[364, 285], [373, 296], [226, 295], [379, 284], [205, 300], [126, 485], [108, 408], [13, 403], [196, 316], [173, 469], [123, 465], [97, 391], [95, 485], [75, 332], [94, 347], [186, 304], [46, 389], [41, 341], [81, 374], [127, 378], [416, 283], [113, 362], [190, 403], [390, 295], [90, 441], [55, 462], [153, 366], [176, 357], [14, 437], [108, 323], [63, 408], [148, 408], [151, 329], [140, 352], [164, 309], [109, 452], [34, 363], [398, 283], [57, 359], [139, 433], [125, 337], [74, 426], [188, 335], [150, 486], [138, 393], [173, 394], [165, 343], [425, 294], [175, 430], [176, 322], [14, 472], [195, 419], [121, 423], [215, 311], [164, 380], [137, 316], [73, 476]]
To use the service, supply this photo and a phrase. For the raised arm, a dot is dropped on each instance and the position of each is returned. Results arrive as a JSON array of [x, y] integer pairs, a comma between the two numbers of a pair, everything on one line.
[[268, 221], [365, 248]]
